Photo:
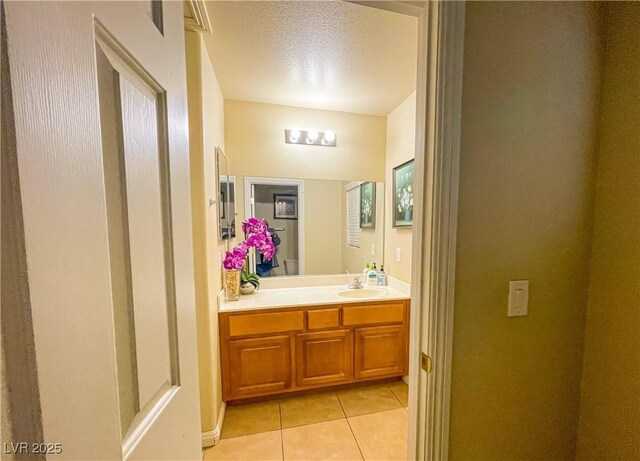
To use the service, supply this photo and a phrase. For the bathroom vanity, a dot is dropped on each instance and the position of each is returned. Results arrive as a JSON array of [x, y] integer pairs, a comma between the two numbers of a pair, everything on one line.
[[291, 339]]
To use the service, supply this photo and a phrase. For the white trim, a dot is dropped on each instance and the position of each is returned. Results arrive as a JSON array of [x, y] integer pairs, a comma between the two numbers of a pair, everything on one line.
[[352, 185], [417, 389], [143, 422], [199, 20], [249, 180], [444, 229], [211, 438], [401, 7], [444, 40]]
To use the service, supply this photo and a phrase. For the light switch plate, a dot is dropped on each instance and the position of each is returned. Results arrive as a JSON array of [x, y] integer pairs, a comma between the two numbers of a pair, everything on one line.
[[518, 298], [398, 255], [373, 249]]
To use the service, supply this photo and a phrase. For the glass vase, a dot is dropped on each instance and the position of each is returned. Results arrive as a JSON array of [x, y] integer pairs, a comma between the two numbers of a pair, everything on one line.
[[232, 284]]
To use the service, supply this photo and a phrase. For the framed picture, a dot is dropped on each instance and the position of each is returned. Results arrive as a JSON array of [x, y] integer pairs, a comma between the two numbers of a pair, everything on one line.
[[403, 195], [368, 205], [285, 206]]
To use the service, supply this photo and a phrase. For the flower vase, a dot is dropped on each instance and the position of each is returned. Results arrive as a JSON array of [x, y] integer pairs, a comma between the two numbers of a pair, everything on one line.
[[232, 284]]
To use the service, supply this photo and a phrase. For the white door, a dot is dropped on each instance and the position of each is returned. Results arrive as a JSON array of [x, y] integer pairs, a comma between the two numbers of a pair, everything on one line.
[[101, 128]]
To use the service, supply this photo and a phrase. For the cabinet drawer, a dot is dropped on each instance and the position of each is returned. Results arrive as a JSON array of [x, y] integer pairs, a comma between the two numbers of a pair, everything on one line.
[[323, 318], [373, 314], [256, 324]]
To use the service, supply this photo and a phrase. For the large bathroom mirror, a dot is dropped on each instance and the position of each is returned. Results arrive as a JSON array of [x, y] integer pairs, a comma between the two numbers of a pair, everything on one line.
[[226, 198], [319, 226]]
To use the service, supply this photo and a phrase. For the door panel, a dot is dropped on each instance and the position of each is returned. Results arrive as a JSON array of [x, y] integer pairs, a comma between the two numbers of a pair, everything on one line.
[[105, 192], [144, 202], [380, 351], [259, 365], [324, 357]]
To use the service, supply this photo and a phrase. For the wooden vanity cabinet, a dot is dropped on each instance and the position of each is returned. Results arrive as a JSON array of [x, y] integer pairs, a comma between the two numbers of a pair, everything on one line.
[[380, 351], [274, 351], [260, 365], [324, 357]]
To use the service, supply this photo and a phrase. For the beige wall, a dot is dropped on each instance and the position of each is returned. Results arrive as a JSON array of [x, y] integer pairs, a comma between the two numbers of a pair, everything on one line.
[[206, 131], [529, 116], [322, 224], [401, 138], [610, 405], [254, 135]]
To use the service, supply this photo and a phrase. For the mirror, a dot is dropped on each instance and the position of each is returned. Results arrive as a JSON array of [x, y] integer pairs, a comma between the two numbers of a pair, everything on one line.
[[319, 226], [226, 198]]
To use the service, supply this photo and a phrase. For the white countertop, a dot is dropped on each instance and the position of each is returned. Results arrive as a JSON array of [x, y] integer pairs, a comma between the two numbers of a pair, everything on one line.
[[317, 295]]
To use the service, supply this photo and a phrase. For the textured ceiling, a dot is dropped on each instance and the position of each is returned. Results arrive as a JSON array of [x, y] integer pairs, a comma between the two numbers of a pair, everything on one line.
[[320, 54]]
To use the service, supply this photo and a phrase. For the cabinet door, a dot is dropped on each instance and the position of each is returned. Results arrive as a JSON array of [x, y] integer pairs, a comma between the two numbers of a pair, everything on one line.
[[259, 365], [324, 357], [380, 351]]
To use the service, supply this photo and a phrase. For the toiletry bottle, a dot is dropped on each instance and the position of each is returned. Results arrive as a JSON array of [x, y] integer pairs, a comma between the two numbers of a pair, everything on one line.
[[372, 276], [381, 277], [366, 270]]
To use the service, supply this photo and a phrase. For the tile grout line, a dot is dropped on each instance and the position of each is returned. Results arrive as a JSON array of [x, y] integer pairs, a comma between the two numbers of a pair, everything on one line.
[[350, 428], [281, 430], [398, 398]]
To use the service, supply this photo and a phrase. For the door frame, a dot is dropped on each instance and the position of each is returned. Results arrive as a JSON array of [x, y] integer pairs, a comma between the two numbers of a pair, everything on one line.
[[437, 154], [299, 183], [442, 42]]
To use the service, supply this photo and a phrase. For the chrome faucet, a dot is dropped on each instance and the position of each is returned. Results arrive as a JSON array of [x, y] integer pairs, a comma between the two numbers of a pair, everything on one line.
[[357, 284]]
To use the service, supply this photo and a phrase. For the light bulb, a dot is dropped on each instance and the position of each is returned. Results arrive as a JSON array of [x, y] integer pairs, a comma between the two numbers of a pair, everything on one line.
[[329, 136], [294, 135], [312, 135]]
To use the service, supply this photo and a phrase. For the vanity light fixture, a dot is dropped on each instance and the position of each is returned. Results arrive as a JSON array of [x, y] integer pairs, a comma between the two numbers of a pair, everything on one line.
[[328, 138], [293, 136], [310, 137]]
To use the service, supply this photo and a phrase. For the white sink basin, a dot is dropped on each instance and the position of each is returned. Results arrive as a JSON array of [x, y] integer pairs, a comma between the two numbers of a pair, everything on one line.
[[360, 293]]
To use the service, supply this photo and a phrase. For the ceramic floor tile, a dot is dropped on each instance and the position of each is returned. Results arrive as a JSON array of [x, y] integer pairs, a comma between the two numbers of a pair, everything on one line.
[[251, 419], [310, 409], [266, 446], [401, 391], [363, 400], [330, 440], [381, 436]]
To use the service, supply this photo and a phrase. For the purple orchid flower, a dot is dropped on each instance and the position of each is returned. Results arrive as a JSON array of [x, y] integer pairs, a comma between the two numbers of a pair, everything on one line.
[[258, 237]]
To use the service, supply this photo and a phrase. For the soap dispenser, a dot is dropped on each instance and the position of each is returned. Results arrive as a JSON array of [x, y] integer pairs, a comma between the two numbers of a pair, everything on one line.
[[372, 278], [381, 277]]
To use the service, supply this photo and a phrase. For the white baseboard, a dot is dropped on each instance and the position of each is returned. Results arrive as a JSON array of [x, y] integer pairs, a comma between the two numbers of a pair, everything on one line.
[[211, 438], [406, 380]]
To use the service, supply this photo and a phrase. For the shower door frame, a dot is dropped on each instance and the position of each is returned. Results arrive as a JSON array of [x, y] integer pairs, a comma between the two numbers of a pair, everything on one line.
[[249, 182]]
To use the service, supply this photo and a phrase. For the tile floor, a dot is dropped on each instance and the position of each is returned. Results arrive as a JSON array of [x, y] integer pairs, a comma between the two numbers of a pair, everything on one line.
[[367, 422]]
